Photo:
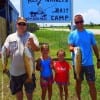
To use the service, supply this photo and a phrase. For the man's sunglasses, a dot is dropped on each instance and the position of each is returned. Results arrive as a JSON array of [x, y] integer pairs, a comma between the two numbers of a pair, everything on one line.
[[22, 24], [79, 22]]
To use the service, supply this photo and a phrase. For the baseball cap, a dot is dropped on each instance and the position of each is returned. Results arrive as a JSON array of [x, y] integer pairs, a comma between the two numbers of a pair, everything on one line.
[[21, 20]]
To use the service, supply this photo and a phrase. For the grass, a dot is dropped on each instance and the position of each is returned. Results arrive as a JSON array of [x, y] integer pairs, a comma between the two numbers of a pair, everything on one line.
[[56, 41], [92, 27]]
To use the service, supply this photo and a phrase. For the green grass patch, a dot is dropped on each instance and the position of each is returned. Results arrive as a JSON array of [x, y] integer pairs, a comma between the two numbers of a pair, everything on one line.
[[56, 39]]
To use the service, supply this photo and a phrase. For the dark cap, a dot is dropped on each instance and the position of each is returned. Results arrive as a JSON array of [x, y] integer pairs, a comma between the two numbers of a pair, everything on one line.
[[21, 20]]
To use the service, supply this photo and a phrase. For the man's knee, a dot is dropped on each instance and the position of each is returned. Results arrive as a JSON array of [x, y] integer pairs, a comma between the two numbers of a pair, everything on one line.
[[92, 86], [78, 83]]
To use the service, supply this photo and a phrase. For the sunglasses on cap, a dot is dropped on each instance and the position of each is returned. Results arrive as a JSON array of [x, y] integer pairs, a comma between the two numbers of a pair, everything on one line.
[[21, 24], [79, 22]]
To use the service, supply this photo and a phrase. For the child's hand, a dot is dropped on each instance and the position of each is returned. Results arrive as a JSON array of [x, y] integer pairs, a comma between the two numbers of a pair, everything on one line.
[[98, 64], [41, 68], [69, 83]]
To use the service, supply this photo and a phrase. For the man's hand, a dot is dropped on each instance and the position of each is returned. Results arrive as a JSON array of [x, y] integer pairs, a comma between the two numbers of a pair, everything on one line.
[[30, 43], [98, 64], [71, 48], [5, 70]]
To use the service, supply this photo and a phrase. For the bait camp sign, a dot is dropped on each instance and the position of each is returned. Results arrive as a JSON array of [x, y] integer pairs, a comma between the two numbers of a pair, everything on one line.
[[47, 10]]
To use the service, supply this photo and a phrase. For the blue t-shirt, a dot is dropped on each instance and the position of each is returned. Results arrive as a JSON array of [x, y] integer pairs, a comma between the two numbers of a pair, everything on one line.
[[85, 40], [46, 68]]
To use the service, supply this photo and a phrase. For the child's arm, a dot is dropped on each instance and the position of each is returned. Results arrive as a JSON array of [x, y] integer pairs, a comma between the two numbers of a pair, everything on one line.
[[68, 78], [38, 66], [68, 68], [52, 64]]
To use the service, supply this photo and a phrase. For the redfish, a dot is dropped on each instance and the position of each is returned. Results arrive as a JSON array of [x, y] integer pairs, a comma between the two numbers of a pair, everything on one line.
[[29, 63], [77, 61]]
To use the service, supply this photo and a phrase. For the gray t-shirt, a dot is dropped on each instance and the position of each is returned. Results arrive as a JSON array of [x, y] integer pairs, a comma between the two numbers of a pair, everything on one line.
[[15, 45]]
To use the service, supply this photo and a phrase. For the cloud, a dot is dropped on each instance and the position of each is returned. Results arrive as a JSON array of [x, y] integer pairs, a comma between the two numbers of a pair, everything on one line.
[[91, 15]]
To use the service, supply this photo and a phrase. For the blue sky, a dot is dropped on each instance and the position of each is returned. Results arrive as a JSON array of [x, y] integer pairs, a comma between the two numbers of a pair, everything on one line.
[[90, 9]]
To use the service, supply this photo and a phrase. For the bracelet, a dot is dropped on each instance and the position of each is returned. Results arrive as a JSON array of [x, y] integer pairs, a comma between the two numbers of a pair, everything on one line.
[[98, 59]]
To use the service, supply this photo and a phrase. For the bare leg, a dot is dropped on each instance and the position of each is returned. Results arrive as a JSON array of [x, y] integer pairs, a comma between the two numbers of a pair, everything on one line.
[[92, 90], [19, 95], [61, 92], [49, 91], [66, 91], [44, 90], [29, 96], [78, 89]]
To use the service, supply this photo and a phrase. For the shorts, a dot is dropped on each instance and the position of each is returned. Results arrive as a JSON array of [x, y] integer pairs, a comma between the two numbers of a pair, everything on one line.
[[17, 83], [88, 71], [45, 81]]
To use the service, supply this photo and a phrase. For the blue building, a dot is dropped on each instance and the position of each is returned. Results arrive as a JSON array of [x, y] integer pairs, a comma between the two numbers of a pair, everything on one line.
[[9, 12]]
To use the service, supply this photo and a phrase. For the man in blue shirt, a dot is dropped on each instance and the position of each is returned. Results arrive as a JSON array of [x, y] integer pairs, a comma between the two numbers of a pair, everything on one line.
[[86, 41]]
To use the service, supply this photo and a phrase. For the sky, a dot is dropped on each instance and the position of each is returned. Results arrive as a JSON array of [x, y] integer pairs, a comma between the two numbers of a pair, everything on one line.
[[90, 9]]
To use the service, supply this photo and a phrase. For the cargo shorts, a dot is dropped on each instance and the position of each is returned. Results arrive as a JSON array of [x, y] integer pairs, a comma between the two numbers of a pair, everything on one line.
[[17, 83]]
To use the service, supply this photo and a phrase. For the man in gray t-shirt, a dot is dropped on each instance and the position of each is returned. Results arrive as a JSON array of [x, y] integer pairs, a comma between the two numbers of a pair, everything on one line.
[[14, 44]]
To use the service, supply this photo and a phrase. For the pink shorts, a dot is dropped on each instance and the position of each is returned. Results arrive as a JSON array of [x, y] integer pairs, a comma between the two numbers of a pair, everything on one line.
[[44, 82]]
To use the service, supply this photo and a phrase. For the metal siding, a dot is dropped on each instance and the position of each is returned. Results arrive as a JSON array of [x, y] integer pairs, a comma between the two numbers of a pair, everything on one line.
[[10, 13]]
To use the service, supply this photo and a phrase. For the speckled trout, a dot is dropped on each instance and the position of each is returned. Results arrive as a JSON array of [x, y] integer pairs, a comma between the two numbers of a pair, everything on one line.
[[77, 61], [4, 58], [29, 63]]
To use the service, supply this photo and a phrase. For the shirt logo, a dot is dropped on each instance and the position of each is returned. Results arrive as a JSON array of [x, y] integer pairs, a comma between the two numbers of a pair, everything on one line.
[[13, 46]]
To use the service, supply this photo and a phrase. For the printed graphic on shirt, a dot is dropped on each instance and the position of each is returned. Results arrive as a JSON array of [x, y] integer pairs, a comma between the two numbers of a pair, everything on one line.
[[13, 46]]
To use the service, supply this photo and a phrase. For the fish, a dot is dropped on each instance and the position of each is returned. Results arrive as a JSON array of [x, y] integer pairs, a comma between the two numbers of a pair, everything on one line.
[[4, 58], [29, 63], [77, 61]]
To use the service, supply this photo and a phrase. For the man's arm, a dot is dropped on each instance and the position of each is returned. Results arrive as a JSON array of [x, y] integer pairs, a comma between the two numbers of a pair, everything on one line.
[[96, 51]]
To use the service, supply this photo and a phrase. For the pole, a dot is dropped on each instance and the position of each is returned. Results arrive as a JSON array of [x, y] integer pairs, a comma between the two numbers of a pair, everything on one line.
[[21, 8], [72, 15]]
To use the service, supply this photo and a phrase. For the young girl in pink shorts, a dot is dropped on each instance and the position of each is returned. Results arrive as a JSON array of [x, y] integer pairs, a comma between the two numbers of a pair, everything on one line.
[[44, 65]]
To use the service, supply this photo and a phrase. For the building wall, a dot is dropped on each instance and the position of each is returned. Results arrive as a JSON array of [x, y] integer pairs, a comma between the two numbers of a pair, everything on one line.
[[9, 12], [8, 17], [3, 30]]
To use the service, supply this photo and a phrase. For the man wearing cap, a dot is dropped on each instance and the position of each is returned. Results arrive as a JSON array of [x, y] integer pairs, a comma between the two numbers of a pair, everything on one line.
[[14, 44]]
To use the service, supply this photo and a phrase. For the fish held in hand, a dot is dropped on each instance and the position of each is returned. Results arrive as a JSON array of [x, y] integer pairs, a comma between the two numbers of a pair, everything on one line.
[[28, 61], [77, 61], [4, 58]]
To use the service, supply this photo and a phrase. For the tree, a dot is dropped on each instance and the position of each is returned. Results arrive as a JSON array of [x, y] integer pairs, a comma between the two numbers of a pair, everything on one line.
[[32, 27], [91, 24]]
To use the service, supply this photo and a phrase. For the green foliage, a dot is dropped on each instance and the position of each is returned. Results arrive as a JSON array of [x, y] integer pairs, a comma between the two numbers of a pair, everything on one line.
[[32, 27]]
